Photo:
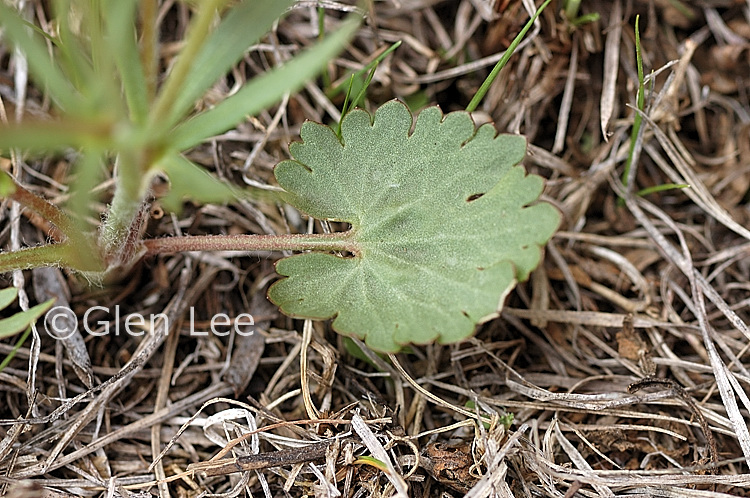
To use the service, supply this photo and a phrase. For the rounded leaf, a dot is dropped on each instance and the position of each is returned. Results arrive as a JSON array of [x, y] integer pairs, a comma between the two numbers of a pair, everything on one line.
[[440, 218]]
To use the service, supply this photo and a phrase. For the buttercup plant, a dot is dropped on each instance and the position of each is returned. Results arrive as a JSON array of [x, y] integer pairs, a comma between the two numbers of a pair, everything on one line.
[[444, 221]]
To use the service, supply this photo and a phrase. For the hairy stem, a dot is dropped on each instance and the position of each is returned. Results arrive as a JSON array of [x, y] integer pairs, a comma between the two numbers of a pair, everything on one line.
[[64, 254], [127, 201], [42, 207], [293, 242]]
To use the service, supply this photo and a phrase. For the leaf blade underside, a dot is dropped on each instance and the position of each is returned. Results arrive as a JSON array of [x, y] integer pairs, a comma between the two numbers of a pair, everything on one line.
[[441, 219]]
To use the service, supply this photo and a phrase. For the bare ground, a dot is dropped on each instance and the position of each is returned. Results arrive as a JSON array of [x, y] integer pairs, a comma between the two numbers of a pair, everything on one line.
[[622, 361]]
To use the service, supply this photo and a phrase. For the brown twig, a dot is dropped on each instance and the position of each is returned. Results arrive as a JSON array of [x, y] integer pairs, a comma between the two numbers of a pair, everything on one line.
[[308, 453], [680, 393]]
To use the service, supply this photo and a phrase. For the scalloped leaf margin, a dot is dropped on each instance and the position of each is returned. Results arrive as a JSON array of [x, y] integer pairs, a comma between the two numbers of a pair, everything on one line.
[[444, 219]]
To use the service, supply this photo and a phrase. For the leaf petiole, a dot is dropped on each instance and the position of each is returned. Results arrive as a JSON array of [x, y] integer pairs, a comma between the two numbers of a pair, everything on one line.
[[335, 242]]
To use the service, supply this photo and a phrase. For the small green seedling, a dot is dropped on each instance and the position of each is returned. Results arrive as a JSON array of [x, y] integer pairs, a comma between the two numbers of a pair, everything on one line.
[[571, 8]]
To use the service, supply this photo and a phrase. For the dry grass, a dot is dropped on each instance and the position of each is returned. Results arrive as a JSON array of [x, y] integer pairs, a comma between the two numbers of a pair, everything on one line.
[[623, 359]]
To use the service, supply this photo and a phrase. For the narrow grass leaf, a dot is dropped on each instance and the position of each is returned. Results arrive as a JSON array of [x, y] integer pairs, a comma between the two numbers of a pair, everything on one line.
[[504, 60], [661, 188], [374, 462], [263, 91], [345, 84], [74, 52], [44, 69], [641, 102], [47, 255], [121, 42], [7, 296], [190, 181], [21, 340], [198, 31], [21, 321], [46, 136], [350, 103], [242, 26], [88, 171]]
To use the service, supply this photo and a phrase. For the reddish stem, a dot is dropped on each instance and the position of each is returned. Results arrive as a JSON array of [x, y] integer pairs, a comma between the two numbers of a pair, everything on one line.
[[42, 207], [293, 242]]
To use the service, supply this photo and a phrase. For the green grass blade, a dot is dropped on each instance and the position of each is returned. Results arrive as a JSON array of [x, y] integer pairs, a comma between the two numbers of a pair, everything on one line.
[[148, 18], [345, 85], [585, 19], [661, 188], [6, 361], [121, 42], [262, 91], [7, 296], [74, 52], [360, 97], [242, 26], [198, 31], [637, 120], [44, 136], [571, 8], [504, 60], [347, 99], [349, 103], [42, 66], [21, 321], [191, 182], [87, 173]]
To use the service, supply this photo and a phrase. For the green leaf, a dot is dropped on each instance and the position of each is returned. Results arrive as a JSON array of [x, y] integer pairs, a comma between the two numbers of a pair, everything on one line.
[[7, 185], [121, 41], [242, 26], [7, 296], [42, 65], [62, 254], [44, 136], [20, 321], [440, 220], [262, 91], [487, 83], [374, 462], [190, 181], [6, 361]]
